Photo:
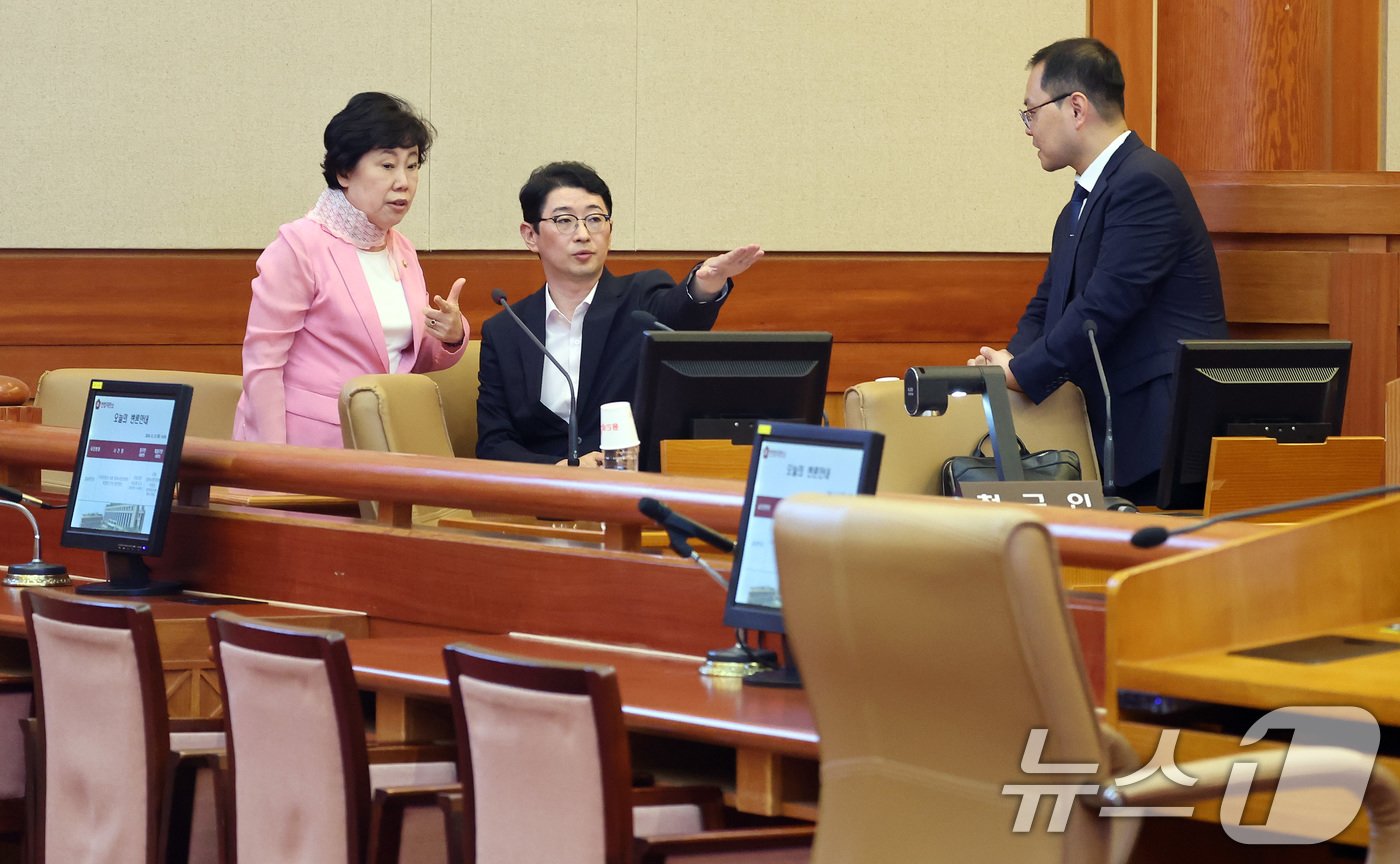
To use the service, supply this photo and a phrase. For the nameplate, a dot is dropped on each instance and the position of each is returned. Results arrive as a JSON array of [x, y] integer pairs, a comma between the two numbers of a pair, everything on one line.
[[1074, 494]]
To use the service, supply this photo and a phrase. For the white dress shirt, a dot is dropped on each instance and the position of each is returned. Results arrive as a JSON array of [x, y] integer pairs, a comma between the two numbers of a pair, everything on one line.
[[564, 339], [1091, 174]]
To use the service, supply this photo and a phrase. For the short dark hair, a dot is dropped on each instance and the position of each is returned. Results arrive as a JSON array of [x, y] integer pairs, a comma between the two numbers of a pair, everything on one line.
[[559, 175], [372, 121], [1086, 65]]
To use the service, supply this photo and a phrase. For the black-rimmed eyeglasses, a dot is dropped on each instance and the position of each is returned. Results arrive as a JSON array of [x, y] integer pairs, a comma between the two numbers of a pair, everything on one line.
[[1028, 113], [567, 223]]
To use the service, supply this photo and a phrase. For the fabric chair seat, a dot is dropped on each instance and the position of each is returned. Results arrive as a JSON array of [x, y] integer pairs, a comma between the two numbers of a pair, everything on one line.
[[128, 790], [546, 775], [301, 782]]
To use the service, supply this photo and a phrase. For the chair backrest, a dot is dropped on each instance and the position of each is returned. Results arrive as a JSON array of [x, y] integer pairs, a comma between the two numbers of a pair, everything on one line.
[[933, 638], [432, 414], [297, 759], [543, 760], [104, 734], [394, 414], [917, 447], [62, 394]]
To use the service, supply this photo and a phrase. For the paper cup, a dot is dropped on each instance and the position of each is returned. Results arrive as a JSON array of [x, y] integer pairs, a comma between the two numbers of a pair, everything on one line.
[[618, 429]]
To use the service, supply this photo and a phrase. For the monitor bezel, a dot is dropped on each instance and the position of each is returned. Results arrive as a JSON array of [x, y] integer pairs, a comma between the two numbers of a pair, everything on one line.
[[1195, 354], [658, 346], [153, 542], [766, 618]]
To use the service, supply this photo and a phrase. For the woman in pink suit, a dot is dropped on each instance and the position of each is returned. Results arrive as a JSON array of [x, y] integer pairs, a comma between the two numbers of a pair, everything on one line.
[[340, 293]]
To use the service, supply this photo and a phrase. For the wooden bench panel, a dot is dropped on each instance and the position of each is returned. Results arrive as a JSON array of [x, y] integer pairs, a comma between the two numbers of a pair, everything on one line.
[[1275, 287], [27, 362]]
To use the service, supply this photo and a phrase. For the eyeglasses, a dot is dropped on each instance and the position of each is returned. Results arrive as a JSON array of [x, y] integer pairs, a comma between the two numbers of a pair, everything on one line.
[[1028, 113], [567, 223]]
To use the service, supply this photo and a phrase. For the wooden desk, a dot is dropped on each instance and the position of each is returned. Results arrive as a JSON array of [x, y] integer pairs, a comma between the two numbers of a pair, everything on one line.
[[414, 581], [764, 744], [1172, 624], [1222, 677]]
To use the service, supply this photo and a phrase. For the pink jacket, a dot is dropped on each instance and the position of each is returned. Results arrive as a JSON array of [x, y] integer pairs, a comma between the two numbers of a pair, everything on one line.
[[312, 326]]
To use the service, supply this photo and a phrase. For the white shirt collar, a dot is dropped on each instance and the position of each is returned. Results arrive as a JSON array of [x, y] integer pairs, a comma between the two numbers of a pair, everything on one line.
[[551, 309], [1091, 174]]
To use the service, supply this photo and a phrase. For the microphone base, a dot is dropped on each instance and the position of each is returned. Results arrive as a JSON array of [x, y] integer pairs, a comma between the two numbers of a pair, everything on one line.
[[738, 661], [36, 574], [1122, 505]]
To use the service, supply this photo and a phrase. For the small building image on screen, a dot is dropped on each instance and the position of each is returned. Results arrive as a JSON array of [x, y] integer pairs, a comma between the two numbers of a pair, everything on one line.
[[121, 471], [130, 518]]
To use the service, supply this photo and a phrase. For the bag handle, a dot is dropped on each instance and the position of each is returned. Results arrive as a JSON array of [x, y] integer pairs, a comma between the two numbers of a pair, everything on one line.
[[982, 442]]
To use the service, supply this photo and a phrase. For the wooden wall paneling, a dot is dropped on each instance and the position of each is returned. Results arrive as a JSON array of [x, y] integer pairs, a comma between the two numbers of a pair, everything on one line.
[[854, 362], [1392, 431], [1245, 85], [1357, 98], [862, 298], [1126, 26], [1266, 286], [28, 362], [1364, 310], [1298, 204], [140, 298], [887, 311], [1279, 331]]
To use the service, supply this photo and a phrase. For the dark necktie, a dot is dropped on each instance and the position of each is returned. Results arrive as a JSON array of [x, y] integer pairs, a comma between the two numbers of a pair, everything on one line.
[[1076, 204]]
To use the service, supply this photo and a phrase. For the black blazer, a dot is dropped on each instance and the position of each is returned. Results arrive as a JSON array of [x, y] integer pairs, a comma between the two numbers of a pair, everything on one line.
[[1143, 268], [512, 424]]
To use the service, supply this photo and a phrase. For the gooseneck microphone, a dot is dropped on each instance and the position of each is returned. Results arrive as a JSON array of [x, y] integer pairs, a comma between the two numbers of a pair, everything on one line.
[[36, 572], [679, 529], [1156, 535], [9, 493], [499, 298], [673, 521], [1110, 489], [649, 321]]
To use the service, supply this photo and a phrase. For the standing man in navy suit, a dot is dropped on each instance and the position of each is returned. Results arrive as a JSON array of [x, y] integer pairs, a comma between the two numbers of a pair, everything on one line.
[[1130, 252], [583, 314]]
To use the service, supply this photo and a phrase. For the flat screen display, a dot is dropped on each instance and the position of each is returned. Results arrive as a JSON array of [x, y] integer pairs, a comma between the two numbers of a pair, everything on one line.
[[124, 475], [702, 385], [789, 458]]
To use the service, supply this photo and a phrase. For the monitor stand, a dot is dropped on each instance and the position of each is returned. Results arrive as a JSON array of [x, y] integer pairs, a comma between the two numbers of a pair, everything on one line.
[[785, 675], [128, 576]]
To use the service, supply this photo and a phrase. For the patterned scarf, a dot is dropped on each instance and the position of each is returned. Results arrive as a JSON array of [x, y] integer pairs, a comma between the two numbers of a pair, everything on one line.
[[335, 213]]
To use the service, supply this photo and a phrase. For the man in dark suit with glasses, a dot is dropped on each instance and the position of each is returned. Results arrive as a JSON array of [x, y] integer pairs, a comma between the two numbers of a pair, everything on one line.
[[1130, 252]]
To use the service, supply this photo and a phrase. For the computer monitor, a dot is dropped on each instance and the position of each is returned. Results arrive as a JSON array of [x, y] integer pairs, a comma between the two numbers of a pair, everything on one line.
[[789, 458], [1290, 390], [719, 385], [124, 479]]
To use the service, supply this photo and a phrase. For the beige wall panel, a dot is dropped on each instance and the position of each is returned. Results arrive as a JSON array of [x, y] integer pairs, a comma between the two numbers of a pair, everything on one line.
[[516, 85], [843, 126], [164, 124], [521, 84], [150, 124]]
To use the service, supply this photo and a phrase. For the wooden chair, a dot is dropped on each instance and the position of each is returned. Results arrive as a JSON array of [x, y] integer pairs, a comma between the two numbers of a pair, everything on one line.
[[16, 709], [933, 638], [547, 779], [299, 772], [113, 782]]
